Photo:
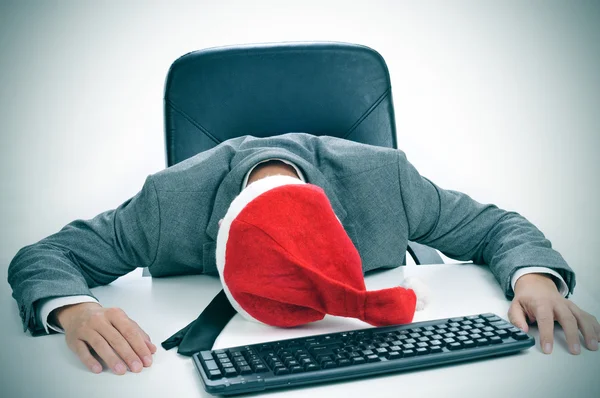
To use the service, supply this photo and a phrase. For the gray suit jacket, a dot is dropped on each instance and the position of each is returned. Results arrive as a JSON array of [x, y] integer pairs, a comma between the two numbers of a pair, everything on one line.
[[171, 225]]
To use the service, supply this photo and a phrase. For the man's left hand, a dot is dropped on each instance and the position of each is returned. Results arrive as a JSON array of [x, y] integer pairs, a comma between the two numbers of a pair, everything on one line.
[[537, 297]]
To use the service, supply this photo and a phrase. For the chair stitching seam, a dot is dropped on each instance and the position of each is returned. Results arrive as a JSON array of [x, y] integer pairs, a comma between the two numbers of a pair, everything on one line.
[[367, 112], [193, 122]]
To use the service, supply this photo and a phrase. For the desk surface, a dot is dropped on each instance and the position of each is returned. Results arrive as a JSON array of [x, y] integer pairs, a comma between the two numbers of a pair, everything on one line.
[[44, 366]]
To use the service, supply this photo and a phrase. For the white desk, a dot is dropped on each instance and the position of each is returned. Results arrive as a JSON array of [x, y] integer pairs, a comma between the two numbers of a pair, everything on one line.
[[45, 367]]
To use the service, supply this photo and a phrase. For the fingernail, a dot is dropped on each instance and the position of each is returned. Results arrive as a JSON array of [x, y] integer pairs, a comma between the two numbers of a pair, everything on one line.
[[119, 368], [96, 368], [147, 360], [594, 344], [547, 348], [136, 366], [576, 349]]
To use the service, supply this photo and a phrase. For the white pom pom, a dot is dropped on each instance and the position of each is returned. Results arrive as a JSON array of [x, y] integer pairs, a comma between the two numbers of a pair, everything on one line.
[[421, 291]]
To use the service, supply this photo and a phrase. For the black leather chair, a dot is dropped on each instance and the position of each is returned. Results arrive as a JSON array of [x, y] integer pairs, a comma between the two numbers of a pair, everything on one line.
[[322, 88]]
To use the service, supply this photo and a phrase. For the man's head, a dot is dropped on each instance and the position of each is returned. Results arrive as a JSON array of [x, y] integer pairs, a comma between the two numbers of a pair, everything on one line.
[[285, 259]]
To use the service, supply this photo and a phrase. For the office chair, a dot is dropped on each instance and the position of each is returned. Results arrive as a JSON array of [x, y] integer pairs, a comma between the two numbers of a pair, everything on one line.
[[322, 88]]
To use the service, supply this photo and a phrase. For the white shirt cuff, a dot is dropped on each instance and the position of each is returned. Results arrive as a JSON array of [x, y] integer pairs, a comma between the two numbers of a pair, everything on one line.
[[47, 305], [281, 160], [560, 282]]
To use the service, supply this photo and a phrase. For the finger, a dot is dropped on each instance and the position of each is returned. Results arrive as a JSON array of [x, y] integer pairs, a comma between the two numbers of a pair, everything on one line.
[[516, 316], [122, 347], [567, 320], [545, 321], [151, 347], [147, 338], [104, 351], [587, 324], [135, 337], [84, 354]]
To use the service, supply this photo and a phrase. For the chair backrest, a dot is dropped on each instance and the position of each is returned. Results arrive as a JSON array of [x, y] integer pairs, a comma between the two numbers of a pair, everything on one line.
[[322, 88]]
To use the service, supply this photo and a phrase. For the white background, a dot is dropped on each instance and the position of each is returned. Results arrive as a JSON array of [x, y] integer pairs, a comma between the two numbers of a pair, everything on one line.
[[498, 99]]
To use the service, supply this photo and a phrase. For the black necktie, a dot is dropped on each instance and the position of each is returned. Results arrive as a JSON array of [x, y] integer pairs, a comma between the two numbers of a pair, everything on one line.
[[200, 335]]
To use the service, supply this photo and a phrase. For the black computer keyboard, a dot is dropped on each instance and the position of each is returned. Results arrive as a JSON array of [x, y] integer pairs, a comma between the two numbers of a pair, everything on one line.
[[352, 354]]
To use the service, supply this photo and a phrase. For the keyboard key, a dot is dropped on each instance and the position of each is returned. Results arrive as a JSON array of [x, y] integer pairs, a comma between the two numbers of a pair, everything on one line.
[[260, 368], [281, 371], [373, 358], [228, 372], [436, 349], [409, 346], [358, 360], [422, 351], [296, 369], [214, 374], [210, 365], [381, 351], [502, 334], [469, 343], [324, 358], [520, 336], [344, 362], [454, 346], [328, 365], [244, 370], [482, 342], [311, 366], [206, 355], [409, 353], [495, 340], [393, 355], [501, 325]]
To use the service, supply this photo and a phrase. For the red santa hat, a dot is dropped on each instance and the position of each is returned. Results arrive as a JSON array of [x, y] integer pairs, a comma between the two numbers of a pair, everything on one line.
[[285, 260]]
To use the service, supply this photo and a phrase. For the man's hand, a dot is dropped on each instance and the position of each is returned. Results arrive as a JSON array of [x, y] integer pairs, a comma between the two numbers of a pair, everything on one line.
[[110, 333], [537, 297]]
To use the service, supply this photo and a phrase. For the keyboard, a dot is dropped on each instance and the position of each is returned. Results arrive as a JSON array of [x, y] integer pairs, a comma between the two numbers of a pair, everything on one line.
[[357, 353]]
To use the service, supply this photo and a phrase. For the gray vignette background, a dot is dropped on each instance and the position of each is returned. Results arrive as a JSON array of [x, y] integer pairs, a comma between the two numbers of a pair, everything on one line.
[[499, 99]]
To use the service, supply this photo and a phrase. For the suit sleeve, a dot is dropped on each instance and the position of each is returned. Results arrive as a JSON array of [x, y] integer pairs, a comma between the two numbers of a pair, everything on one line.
[[465, 229], [86, 254]]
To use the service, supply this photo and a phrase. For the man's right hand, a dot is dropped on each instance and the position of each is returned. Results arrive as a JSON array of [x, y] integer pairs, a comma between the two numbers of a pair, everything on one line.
[[118, 340]]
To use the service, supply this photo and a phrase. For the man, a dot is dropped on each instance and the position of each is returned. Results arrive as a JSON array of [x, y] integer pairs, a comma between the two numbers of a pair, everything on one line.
[[382, 202]]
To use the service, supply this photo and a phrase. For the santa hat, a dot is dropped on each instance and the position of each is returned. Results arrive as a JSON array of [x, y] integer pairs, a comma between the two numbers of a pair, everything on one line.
[[285, 260]]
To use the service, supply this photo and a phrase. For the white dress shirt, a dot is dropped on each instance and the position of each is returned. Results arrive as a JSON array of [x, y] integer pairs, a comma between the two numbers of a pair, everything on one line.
[[46, 306]]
